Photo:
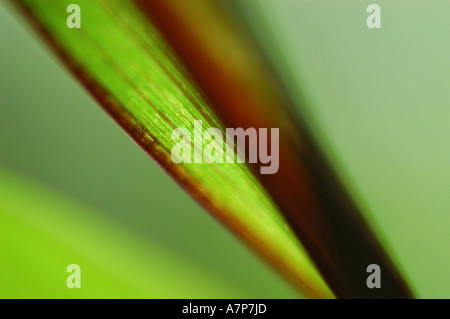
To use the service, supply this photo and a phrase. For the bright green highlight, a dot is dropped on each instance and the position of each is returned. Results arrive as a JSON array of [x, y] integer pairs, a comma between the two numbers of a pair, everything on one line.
[[42, 231]]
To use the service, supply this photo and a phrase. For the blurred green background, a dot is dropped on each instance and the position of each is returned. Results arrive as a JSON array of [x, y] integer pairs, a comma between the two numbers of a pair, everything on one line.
[[380, 99], [381, 104]]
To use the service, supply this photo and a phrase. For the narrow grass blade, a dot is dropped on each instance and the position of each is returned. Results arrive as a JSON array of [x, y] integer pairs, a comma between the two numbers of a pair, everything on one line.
[[128, 67]]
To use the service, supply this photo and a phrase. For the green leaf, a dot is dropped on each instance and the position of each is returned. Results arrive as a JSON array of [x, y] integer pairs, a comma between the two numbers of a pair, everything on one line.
[[128, 67]]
